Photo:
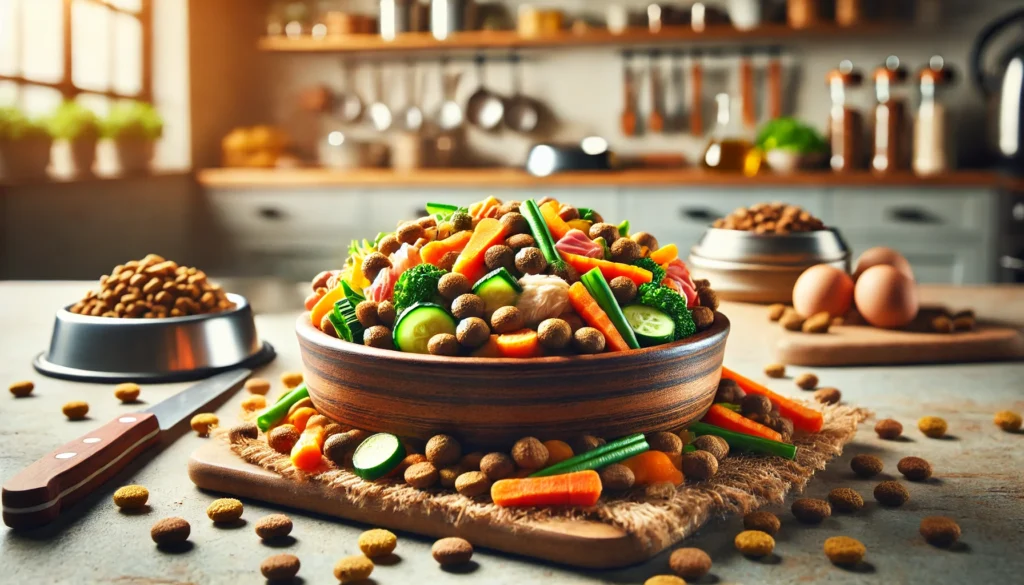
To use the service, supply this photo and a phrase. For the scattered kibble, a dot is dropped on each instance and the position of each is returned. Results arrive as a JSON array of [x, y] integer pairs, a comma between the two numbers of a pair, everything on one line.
[[452, 551], [585, 444], [273, 526], [942, 324], [530, 453], [472, 484], [754, 543], [775, 370], [421, 475], [127, 392], [131, 497], [224, 510], [889, 429], [353, 569], [940, 531], [497, 466], [845, 500], [665, 580], [332, 429], [471, 461], [717, 446], [291, 379], [699, 465], [1008, 421], [775, 311], [448, 475], [282, 567], [75, 410], [245, 430], [891, 493], [170, 531], [791, 320], [817, 323], [690, 563], [203, 423], [254, 402], [377, 543], [617, 478], [763, 521], [806, 381], [443, 450], [914, 468], [729, 391], [932, 426], [963, 321], [22, 389], [283, 438], [665, 442], [866, 466], [811, 510], [257, 386], [828, 395], [660, 490], [843, 550]]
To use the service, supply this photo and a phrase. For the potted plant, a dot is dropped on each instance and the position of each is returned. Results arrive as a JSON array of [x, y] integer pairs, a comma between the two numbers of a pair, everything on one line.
[[134, 129], [80, 127], [24, 146], [789, 145]]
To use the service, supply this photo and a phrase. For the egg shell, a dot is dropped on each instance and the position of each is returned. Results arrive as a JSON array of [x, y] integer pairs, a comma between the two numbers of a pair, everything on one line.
[[881, 255], [823, 288], [886, 297]]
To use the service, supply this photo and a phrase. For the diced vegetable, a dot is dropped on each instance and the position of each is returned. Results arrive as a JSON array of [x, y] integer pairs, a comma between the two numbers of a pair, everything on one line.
[[340, 328], [651, 326], [280, 409], [804, 418], [307, 453], [558, 451], [352, 295], [541, 234], [417, 285], [672, 304], [596, 458], [489, 349], [599, 290], [665, 254], [653, 466], [592, 314], [377, 455], [556, 225], [743, 442], [519, 344], [624, 229], [580, 224], [325, 305], [582, 488], [608, 268], [346, 312], [470, 262], [300, 417], [484, 209], [432, 252], [441, 211], [730, 420], [418, 324], [497, 289], [586, 213]]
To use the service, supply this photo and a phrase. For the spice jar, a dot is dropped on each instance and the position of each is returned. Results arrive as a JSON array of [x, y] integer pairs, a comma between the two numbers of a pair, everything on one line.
[[802, 13], [845, 123], [931, 131], [892, 143], [849, 12]]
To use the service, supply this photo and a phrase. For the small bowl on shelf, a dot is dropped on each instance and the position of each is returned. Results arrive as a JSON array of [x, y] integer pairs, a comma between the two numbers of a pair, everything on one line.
[[493, 402]]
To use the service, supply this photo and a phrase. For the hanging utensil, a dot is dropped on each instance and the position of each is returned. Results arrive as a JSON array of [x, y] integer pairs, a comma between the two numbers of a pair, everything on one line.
[[696, 90], [677, 117], [774, 83], [746, 74], [656, 119], [521, 112], [629, 117], [450, 115], [348, 105], [484, 108], [412, 116], [380, 113]]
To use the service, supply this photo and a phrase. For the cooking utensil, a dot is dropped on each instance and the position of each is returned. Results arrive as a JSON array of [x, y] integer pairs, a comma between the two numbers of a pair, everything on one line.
[[697, 91], [412, 116], [450, 115], [347, 103], [380, 113], [746, 74], [1004, 86], [547, 159], [629, 114], [484, 108], [774, 75], [104, 349], [656, 119], [676, 116], [521, 112], [39, 493]]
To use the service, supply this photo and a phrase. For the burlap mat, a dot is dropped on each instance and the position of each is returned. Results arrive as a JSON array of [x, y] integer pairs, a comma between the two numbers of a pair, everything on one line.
[[743, 483]]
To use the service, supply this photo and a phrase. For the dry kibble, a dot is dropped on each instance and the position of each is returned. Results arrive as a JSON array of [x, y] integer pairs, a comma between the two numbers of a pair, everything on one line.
[[75, 410], [170, 531], [377, 543], [471, 461], [755, 404], [282, 567], [291, 379], [554, 334], [283, 438], [448, 475], [127, 392], [585, 443], [452, 551], [1008, 421], [775, 311], [421, 475], [828, 395], [942, 324], [775, 370], [21, 389], [940, 531], [530, 453], [131, 497], [353, 569], [443, 450], [717, 446], [224, 510], [665, 442], [843, 550], [889, 429], [811, 510], [866, 465], [665, 580], [763, 521], [331, 429], [891, 493], [386, 313], [914, 468], [845, 500], [257, 386], [468, 305], [254, 402], [660, 490], [699, 465], [497, 466], [443, 344], [507, 320], [817, 323], [703, 317], [245, 430], [792, 321], [453, 285], [472, 484], [410, 460], [204, 422], [963, 322], [806, 381], [273, 526], [729, 391], [754, 543], [690, 563], [617, 477], [932, 426], [588, 340]]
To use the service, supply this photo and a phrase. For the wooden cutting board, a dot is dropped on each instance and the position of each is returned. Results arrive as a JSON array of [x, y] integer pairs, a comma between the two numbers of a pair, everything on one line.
[[578, 543]]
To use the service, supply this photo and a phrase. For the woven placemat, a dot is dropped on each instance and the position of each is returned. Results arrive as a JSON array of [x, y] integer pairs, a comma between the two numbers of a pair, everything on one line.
[[743, 483]]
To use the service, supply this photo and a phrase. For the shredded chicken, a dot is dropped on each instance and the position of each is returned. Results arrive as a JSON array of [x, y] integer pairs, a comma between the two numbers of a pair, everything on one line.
[[543, 297]]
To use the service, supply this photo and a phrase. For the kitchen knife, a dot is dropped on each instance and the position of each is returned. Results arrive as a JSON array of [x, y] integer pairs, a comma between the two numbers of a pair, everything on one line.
[[38, 494]]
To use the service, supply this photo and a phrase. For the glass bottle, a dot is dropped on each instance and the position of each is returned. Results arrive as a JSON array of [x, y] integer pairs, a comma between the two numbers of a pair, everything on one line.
[[931, 130], [728, 148], [892, 140], [845, 122]]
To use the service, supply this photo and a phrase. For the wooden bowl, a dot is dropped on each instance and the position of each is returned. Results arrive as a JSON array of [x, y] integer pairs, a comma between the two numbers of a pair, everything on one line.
[[496, 401]]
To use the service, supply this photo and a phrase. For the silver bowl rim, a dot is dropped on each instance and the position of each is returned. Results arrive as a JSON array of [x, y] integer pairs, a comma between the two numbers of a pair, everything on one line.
[[241, 304], [750, 234]]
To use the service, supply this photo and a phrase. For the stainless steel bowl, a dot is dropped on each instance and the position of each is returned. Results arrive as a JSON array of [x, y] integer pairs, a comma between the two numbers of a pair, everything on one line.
[[102, 349], [762, 268]]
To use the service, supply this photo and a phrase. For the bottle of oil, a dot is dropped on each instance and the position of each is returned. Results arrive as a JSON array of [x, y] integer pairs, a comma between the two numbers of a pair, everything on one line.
[[728, 148]]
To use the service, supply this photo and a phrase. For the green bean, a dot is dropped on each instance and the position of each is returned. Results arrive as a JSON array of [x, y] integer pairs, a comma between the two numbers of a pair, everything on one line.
[[560, 468], [280, 408], [746, 442]]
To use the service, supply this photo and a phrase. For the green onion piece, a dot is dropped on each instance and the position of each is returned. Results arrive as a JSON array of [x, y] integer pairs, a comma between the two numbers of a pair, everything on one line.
[[559, 468], [280, 408], [624, 229], [746, 442], [598, 288], [354, 297], [586, 213], [340, 328], [540, 231], [689, 448], [607, 459], [732, 407]]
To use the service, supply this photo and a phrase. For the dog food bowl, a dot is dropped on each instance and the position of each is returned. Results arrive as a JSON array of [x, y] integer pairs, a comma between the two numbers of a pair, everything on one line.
[[104, 349]]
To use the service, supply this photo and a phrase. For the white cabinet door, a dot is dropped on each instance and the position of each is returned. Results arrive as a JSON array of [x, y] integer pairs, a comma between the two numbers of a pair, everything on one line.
[[933, 212]]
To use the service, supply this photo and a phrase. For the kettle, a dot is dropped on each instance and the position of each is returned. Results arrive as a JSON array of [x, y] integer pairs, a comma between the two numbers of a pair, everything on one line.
[[1007, 87]]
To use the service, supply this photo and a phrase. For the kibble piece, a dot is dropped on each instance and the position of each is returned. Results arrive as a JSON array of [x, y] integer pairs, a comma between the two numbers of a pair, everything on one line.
[[507, 320], [1008, 421], [806, 381], [866, 465], [471, 461], [453, 285], [624, 289], [617, 478], [792, 321], [828, 395], [468, 305], [421, 475], [366, 314], [127, 392], [282, 567], [889, 429], [845, 500], [387, 313], [665, 580], [763, 521], [843, 550], [273, 526], [472, 484], [245, 430], [811, 510], [76, 410], [410, 460], [452, 551], [170, 531], [497, 466], [283, 438], [914, 468], [708, 298], [530, 261], [21, 389], [500, 256], [940, 531], [690, 563], [755, 404], [447, 476], [717, 446], [588, 340], [291, 379], [963, 322], [942, 324], [554, 334], [444, 344], [224, 510], [353, 569], [443, 450], [585, 443], [131, 497], [378, 336], [699, 465], [775, 370], [754, 543], [306, 402], [932, 426], [703, 317], [665, 442], [377, 543], [204, 422], [530, 453], [257, 386], [625, 251], [729, 391], [660, 490], [775, 311], [817, 323], [891, 493], [254, 403]]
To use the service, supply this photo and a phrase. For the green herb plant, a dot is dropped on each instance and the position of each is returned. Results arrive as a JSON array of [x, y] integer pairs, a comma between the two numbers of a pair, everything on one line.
[[15, 125], [792, 135], [133, 120], [71, 120]]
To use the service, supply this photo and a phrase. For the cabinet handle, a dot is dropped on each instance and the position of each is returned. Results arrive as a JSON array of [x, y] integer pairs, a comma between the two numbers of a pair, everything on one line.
[[913, 215], [1012, 263], [270, 213], [698, 214]]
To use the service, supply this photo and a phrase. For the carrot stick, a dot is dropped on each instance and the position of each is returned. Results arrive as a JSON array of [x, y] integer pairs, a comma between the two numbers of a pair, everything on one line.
[[582, 488], [653, 466], [804, 418], [721, 416], [556, 225], [306, 454], [434, 251], [665, 254], [470, 262], [519, 344], [609, 269], [300, 417], [325, 305], [592, 315]]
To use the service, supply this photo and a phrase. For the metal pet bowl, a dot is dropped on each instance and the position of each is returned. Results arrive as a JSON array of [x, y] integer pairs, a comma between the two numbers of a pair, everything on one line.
[[104, 349], [762, 268]]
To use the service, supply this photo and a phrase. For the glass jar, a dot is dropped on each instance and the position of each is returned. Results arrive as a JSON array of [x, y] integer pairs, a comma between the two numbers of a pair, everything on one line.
[[802, 13], [845, 122], [931, 129], [728, 146], [892, 137]]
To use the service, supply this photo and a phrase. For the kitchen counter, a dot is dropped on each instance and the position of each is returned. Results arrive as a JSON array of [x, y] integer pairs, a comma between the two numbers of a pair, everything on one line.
[[979, 473]]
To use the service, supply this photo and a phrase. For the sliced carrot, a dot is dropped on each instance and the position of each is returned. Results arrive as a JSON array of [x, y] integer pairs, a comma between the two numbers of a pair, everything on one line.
[[307, 452], [731, 420], [489, 349], [558, 451], [594, 316], [556, 225], [582, 488], [485, 208], [580, 224], [325, 305], [677, 459], [665, 254], [519, 344], [300, 417], [470, 262], [609, 269], [434, 251], [804, 418], [653, 466]]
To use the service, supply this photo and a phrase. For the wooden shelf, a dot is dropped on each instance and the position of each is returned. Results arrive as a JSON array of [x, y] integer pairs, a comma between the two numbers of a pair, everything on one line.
[[481, 40]]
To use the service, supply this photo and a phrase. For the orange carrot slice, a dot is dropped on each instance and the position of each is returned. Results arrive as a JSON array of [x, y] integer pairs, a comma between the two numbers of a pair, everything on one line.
[[804, 418], [307, 452], [653, 466], [470, 262], [609, 269], [594, 316], [486, 208], [300, 417], [558, 451], [489, 349], [582, 488], [519, 344], [434, 251], [556, 225], [665, 254], [325, 305], [729, 420]]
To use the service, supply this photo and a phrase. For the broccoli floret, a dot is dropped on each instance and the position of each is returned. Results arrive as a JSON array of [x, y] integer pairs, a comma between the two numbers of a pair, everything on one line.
[[671, 303], [652, 266], [417, 285]]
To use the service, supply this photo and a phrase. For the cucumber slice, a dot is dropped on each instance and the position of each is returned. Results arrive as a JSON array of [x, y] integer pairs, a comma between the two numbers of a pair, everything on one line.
[[497, 289], [338, 322], [352, 295], [377, 455], [345, 310], [417, 324], [652, 327]]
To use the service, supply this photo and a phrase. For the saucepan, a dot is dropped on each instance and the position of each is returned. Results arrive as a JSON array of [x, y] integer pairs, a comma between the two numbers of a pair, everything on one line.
[[484, 109]]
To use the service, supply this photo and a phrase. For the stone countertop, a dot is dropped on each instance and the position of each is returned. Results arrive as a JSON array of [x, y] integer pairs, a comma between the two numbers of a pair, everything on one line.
[[979, 474]]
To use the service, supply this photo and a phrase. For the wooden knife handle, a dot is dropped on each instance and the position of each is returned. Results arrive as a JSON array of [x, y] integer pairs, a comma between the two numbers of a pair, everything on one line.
[[774, 88], [37, 495]]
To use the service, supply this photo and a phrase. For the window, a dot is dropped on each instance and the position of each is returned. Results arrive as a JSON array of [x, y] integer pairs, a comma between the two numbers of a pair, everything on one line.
[[96, 51]]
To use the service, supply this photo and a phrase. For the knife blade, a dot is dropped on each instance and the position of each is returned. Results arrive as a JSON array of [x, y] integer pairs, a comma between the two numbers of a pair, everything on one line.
[[37, 495]]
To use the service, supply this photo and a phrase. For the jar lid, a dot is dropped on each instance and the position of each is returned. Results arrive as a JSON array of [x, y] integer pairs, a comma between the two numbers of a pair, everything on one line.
[[892, 71], [936, 72], [846, 74]]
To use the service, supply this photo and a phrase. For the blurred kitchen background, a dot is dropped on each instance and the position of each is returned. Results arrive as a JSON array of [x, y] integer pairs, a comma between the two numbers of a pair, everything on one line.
[[259, 138]]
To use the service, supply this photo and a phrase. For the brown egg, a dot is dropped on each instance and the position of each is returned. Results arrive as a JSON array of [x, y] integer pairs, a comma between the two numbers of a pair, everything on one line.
[[823, 288], [881, 255], [886, 297]]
